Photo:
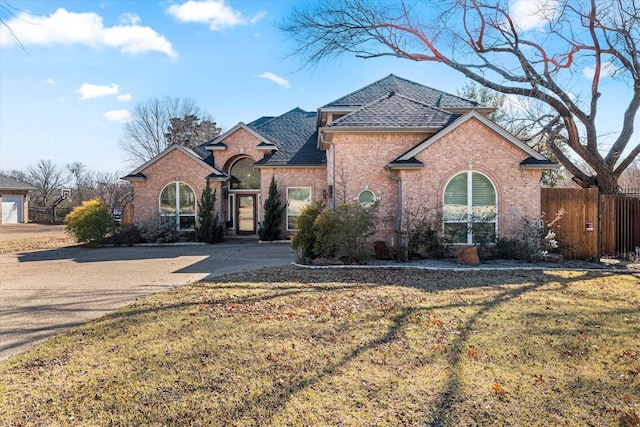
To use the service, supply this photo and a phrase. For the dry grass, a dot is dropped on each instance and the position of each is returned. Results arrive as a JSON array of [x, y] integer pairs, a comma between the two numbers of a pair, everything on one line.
[[286, 346], [36, 243]]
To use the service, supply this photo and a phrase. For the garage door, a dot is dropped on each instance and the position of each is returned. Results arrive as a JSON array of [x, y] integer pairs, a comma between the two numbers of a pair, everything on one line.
[[11, 209]]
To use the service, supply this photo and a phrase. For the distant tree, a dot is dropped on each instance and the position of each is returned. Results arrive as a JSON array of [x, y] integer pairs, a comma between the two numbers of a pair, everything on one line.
[[113, 192], [537, 57], [190, 131], [82, 180], [209, 229], [150, 131], [48, 181], [273, 212]]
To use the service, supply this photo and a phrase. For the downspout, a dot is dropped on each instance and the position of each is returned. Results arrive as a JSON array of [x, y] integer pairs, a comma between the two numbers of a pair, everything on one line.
[[399, 218], [332, 200]]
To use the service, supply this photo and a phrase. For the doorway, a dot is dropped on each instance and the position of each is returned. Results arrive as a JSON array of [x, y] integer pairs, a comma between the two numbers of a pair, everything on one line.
[[246, 213]]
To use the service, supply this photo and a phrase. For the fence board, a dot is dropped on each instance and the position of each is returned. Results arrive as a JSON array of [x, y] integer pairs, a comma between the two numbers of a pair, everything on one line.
[[581, 207], [620, 223]]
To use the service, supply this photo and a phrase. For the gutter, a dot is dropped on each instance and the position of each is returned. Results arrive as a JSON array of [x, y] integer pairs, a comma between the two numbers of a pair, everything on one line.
[[399, 218], [332, 200]]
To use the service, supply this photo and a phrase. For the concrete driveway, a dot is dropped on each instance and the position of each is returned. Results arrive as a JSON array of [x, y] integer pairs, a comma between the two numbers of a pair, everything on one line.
[[43, 293]]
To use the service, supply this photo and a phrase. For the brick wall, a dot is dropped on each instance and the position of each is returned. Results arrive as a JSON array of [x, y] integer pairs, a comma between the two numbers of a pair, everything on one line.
[[174, 166], [360, 161]]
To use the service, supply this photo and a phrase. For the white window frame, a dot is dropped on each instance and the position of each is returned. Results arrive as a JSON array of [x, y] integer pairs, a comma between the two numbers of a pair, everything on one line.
[[177, 215], [367, 204], [469, 213], [289, 213]]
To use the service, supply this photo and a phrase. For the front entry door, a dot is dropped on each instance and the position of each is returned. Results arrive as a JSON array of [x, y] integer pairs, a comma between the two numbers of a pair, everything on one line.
[[246, 213]]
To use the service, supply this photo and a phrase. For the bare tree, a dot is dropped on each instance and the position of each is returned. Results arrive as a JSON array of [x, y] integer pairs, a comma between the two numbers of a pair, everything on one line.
[[48, 180], [539, 57], [112, 191], [82, 181], [145, 135]]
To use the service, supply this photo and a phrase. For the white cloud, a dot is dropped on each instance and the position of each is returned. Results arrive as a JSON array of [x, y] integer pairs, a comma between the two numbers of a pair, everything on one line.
[[89, 91], [87, 29], [122, 116], [129, 19], [607, 69], [274, 78], [215, 13], [533, 14], [124, 97], [50, 81]]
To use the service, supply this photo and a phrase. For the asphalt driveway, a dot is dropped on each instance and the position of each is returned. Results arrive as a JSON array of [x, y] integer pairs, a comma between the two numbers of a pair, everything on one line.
[[43, 293]]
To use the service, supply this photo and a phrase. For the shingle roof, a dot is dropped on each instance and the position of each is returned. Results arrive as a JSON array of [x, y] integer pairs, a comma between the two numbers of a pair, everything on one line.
[[8, 183], [395, 111], [295, 135], [412, 90]]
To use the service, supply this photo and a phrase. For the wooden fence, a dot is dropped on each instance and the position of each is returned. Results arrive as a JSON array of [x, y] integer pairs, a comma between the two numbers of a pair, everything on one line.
[[594, 224], [581, 211]]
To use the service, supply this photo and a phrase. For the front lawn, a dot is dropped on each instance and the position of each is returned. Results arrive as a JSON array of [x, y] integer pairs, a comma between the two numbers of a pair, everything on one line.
[[349, 347]]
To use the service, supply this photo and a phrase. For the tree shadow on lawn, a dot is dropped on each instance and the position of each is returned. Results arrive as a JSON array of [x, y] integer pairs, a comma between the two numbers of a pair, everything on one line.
[[273, 284]]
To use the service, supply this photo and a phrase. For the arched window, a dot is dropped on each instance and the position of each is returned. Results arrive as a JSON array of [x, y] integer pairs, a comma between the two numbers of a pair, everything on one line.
[[178, 205], [367, 198], [244, 176], [470, 209]]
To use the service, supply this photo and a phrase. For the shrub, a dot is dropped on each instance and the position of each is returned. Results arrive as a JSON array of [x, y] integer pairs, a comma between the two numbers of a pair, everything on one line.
[[154, 230], [209, 227], [90, 223], [126, 235], [533, 242], [345, 231], [273, 210], [425, 242], [304, 241]]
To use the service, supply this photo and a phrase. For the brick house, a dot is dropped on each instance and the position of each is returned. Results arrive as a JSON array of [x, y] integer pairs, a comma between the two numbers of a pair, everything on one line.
[[407, 146]]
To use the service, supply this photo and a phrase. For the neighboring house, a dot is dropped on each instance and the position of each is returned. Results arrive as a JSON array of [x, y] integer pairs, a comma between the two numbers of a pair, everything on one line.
[[407, 146], [14, 200]]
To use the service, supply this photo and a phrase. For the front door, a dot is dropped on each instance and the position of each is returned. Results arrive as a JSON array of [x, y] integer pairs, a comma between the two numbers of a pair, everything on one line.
[[246, 213]]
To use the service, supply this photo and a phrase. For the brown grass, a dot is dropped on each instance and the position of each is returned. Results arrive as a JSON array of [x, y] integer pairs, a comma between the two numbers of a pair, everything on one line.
[[287, 346], [36, 243]]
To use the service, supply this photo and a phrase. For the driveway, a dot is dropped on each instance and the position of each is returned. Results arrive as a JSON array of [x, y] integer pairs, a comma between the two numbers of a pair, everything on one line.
[[43, 293]]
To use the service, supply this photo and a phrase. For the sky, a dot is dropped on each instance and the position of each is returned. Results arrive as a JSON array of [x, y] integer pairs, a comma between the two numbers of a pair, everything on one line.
[[82, 66]]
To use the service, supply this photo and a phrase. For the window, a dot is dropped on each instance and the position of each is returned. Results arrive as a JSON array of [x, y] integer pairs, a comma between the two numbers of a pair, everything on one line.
[[244, 176], [297, 199], [470, 209], [178, 204], [367, 198]]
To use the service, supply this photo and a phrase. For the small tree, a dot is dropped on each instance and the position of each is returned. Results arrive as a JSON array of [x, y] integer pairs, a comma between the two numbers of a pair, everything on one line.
[[209, 229], [90, 223], [273, 211]]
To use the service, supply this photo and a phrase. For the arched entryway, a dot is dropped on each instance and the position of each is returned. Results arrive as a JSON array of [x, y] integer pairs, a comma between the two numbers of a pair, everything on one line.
[[244, 195]]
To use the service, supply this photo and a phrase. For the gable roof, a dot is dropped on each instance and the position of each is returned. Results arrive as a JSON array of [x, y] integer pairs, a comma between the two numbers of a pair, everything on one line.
[[294, 133], [137, 174], [534, 159], [407, 88], [8, 183], [395, 111], [216, 143]]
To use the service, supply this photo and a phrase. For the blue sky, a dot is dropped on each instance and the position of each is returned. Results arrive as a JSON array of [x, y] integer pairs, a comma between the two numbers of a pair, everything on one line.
[[84, 64]]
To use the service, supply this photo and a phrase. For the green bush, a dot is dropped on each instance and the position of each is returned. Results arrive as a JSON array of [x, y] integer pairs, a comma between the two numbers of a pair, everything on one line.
[[90, 223], [273, 211], [346, 231], [304, 241], [209, 229]]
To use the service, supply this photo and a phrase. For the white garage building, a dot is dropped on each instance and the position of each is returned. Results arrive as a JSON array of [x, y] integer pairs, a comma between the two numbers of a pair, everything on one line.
[[14, 203]]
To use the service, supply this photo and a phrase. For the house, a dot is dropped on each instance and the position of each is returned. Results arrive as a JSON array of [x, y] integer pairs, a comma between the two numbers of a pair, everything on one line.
[[407, 146], [14, 200]]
